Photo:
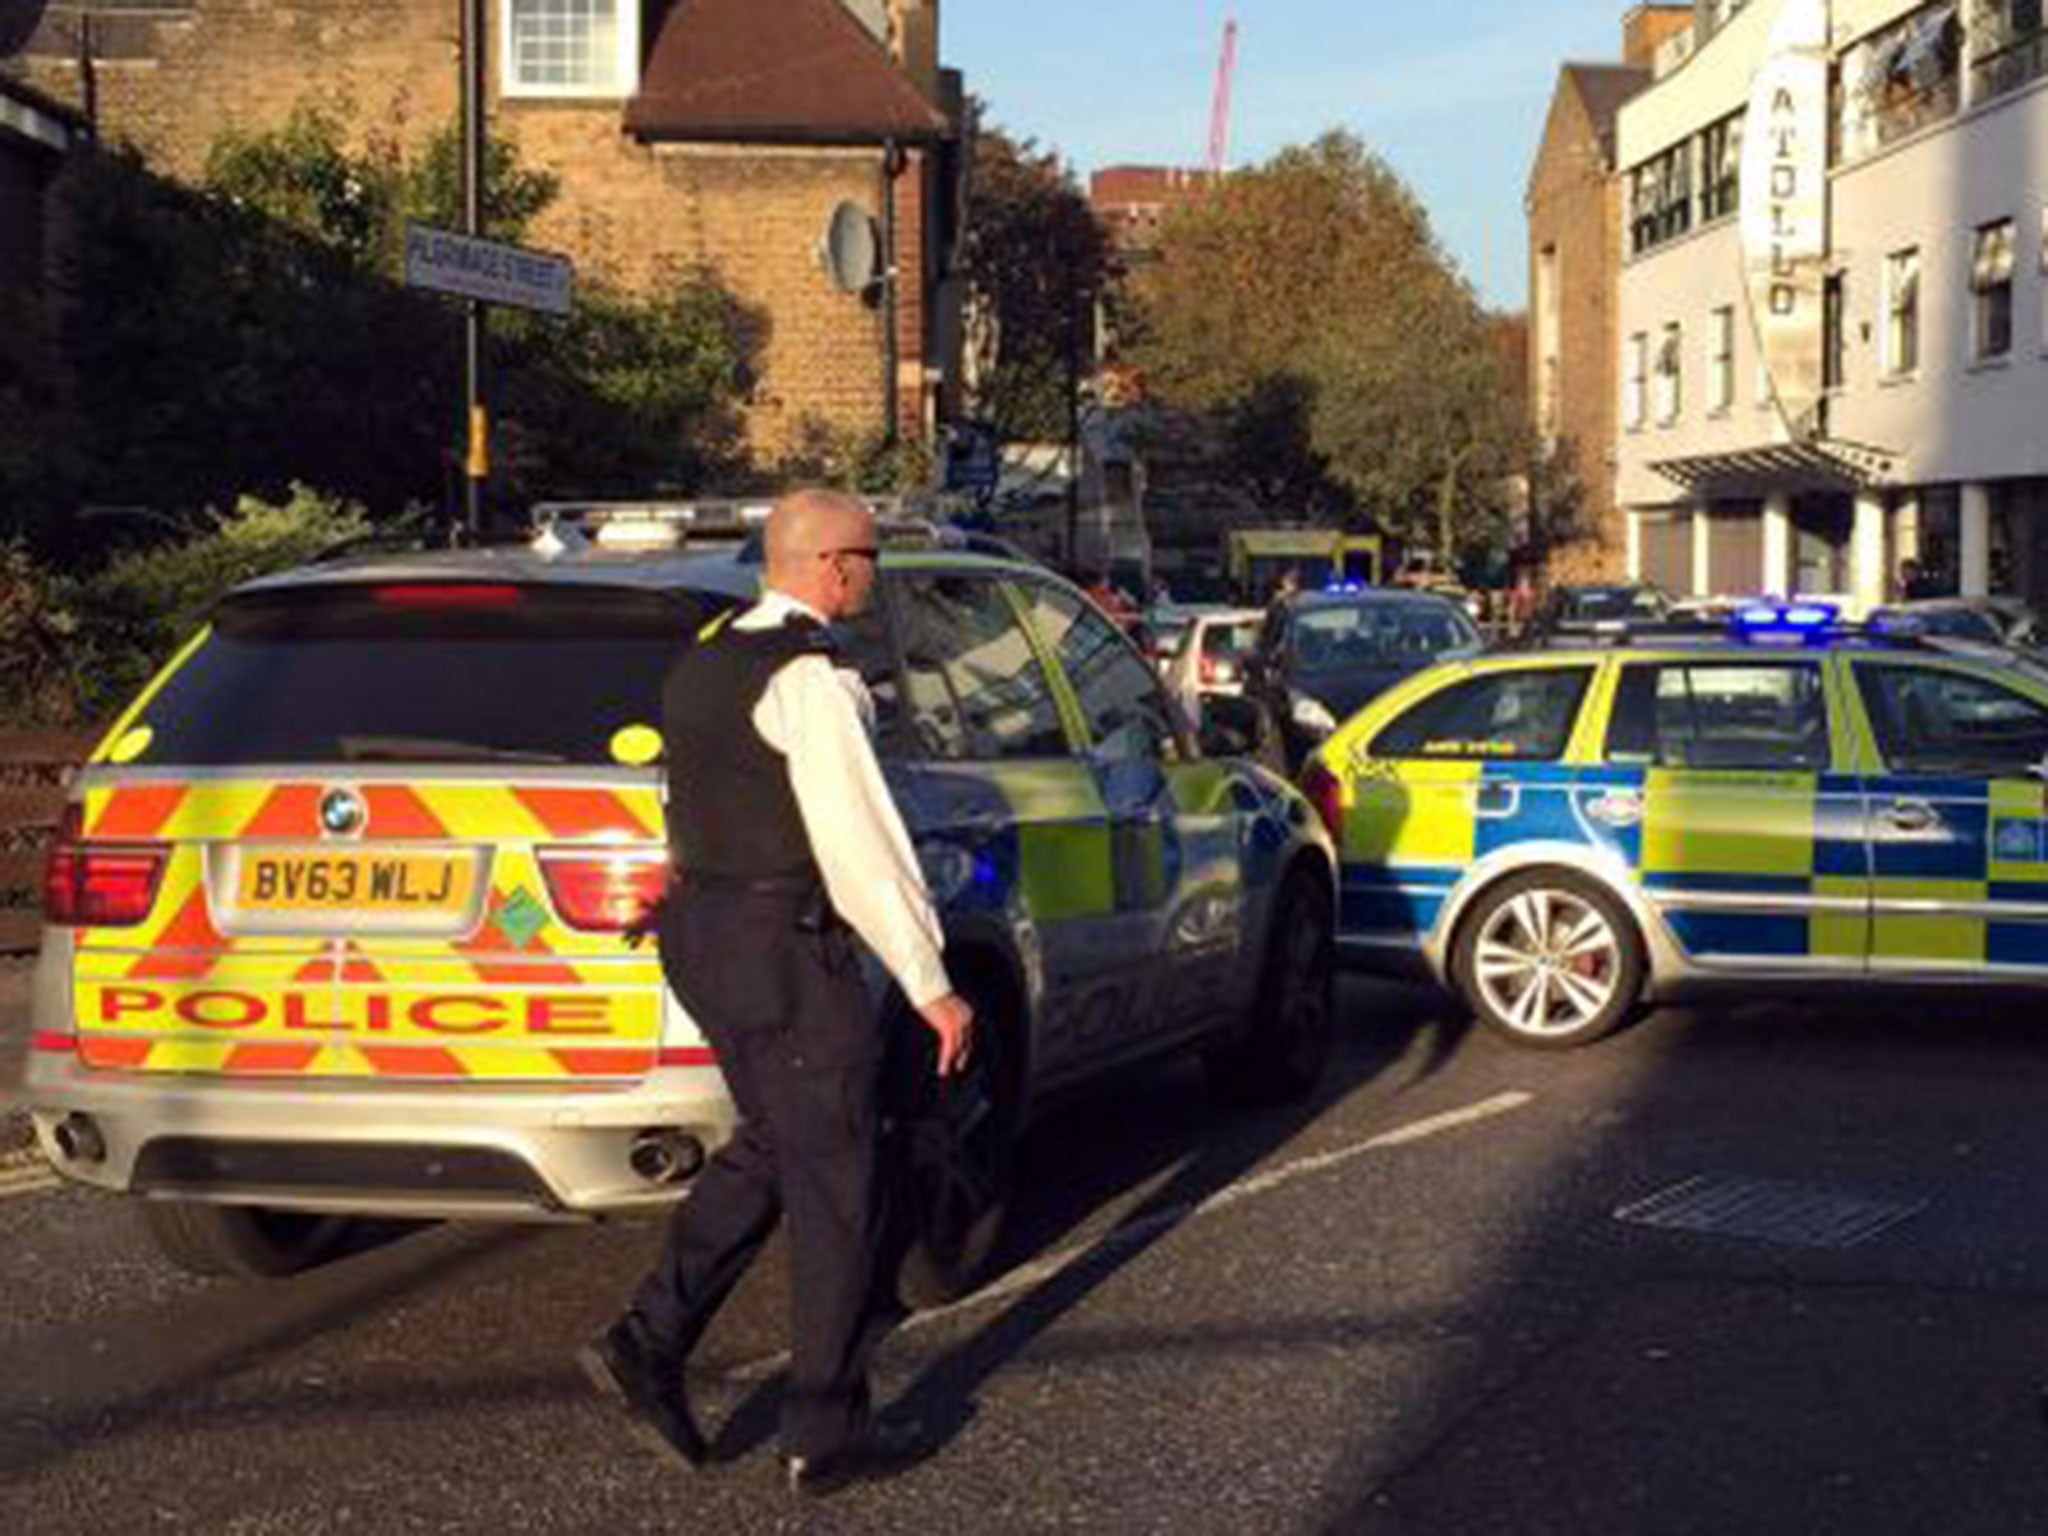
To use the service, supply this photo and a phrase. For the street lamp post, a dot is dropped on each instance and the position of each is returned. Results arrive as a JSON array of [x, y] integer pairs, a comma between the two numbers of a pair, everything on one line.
[[476, 415]]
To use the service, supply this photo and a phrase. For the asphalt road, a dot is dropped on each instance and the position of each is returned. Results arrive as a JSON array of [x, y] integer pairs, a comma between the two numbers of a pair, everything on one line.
[[1410, 1307]]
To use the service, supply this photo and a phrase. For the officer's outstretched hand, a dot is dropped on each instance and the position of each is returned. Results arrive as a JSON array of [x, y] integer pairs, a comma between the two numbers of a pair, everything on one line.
[[952, 1021]]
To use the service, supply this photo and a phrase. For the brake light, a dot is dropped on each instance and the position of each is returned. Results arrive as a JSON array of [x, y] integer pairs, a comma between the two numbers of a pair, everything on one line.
[[98, 885], [464, 594], [1325, 792], [604, 890]]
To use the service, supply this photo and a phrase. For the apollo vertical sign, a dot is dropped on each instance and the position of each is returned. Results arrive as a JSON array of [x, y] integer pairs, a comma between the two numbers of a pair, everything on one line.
[[1785, 207]]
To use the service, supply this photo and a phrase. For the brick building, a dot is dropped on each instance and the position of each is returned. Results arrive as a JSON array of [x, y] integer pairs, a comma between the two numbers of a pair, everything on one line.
[[1573, 207], [1133, 201], [720, 133]]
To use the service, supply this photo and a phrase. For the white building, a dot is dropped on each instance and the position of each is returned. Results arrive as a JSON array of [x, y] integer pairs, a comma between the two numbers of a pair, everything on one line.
[[1925, 437]]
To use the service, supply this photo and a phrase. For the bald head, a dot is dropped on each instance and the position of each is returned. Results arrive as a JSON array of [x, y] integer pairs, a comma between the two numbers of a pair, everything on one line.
[[810, 523]]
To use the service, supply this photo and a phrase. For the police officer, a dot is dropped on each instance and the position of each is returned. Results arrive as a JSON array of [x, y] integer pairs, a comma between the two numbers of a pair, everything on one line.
[[786, 845]]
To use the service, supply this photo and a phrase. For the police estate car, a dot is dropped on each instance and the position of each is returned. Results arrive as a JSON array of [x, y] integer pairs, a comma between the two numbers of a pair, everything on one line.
[[339, 921], [1560, 835]]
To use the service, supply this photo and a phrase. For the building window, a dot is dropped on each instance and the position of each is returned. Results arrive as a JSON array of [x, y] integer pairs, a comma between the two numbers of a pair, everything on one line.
[[570, 47], [1834, 330], [2011, 46], [1991, 283], [1635, 382], [1721, 375], [1901, 313], [1898, 80], [1721, 169], [1670, 366], [1660, 198]]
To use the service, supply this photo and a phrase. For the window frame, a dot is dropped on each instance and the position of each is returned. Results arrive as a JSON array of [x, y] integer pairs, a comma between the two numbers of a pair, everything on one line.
[[1668, 382], [1863, 675], [893, 581], [1903, 276], [1635, 398], [1088, 744], [1585, 673], [626, 60], [1811, 666], [1721, 361], [1994, 264]]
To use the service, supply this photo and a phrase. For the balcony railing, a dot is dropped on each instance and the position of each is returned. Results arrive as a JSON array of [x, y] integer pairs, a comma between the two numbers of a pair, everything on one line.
[[1994, 74]]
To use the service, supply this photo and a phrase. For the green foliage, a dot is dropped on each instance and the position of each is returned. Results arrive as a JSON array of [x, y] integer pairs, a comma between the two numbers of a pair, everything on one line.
[[38, 683], [74, 649], [627, 393], [306, 176], [255, 332], [1305, 311], [146, 602], [1036, 263], [866, 463]]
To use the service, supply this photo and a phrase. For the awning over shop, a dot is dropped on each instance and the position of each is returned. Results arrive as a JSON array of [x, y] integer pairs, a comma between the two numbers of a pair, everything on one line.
[[797, 72], [1822, 464]]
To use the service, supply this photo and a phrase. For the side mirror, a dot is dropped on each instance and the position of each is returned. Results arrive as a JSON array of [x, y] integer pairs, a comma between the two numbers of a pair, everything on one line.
[[1230, 726]]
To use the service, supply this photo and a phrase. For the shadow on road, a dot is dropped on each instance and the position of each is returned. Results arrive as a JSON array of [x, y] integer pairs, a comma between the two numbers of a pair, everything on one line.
[[1156, 1127]]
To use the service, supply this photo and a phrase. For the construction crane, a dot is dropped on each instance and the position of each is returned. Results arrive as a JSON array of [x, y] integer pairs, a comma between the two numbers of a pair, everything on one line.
[[1219, 112]]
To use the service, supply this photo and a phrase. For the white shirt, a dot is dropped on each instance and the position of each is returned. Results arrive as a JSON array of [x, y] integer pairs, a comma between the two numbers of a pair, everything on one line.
[[820, 718]]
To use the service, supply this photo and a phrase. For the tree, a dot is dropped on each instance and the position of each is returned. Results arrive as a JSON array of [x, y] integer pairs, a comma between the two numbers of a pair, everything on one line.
[[1307, 312], [1036, 262]]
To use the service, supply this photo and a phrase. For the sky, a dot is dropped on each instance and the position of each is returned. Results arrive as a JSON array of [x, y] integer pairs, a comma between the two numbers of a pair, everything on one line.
[[1451, 92]]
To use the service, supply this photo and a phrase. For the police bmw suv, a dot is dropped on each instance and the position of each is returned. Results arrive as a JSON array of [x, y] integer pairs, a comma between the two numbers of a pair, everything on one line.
[[342, 918]]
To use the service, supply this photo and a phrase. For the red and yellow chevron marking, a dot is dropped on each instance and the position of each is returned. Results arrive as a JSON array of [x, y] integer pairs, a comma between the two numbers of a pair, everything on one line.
[[522, 997]]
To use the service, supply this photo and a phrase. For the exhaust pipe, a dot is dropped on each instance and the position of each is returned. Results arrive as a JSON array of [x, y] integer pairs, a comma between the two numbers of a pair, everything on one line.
[[665, 1157], [79, 1140]]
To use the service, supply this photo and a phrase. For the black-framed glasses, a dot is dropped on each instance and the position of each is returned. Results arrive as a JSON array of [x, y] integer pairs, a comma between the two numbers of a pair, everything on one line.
[[864, 551]]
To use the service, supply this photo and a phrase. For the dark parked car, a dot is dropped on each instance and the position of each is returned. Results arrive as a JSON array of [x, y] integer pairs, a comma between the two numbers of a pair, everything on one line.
[[1323, 656], [1609, 604], [2004, 621]]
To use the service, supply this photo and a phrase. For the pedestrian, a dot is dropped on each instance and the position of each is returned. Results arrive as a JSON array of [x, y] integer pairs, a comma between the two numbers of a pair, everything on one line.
[[785, 846]]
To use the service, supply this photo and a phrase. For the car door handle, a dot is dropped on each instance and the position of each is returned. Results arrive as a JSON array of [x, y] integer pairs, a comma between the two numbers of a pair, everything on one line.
[[1497, 799], [1911, 816]]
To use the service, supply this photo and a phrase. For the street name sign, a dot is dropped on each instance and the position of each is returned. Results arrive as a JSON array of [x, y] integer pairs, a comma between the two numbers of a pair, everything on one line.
[[470, 267]]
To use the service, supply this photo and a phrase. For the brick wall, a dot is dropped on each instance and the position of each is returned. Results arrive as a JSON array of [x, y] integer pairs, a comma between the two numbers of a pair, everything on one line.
[[1575, 205], [627, 211]]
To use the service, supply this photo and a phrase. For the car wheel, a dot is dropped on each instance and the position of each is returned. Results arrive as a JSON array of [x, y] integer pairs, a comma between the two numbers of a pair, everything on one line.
[[1284, 1047], [956, 1159], [1549, 959], [244, 1241]]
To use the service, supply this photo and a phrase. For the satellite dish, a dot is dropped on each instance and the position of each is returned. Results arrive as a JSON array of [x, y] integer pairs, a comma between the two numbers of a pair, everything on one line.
[[852, 249]]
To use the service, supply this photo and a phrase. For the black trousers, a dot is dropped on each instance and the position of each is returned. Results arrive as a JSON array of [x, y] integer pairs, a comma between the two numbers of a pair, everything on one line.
[[796, 1036]]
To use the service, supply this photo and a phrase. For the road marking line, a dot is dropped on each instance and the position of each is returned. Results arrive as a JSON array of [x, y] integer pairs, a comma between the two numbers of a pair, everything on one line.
[[1137, 1232]]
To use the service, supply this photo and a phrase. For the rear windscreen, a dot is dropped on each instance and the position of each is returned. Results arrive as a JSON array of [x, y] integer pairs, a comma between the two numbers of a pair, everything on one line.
[[434, 675]]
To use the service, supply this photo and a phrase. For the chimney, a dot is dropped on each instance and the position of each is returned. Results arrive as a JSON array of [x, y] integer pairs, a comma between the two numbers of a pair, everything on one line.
[[914, 40], [1647, 28]]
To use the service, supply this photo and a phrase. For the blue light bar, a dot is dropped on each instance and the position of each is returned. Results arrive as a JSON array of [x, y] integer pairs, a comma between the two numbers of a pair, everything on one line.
[[1345, 586], [1784, 618]]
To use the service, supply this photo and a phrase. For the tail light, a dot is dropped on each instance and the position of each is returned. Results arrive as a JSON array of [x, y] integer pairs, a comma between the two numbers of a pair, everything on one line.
[[446, 594], [604, 890], [98, 885], [1325, 792]]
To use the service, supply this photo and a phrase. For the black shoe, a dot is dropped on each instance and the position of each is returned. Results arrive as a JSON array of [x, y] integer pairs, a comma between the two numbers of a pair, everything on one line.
[[884, 1448], [623, 1365]]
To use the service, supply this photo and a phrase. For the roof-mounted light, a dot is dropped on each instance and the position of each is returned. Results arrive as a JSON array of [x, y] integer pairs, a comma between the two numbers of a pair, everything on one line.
[[1797, 619]]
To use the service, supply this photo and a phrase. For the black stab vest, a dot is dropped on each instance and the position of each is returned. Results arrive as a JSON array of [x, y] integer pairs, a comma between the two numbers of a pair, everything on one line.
[[731, 812]]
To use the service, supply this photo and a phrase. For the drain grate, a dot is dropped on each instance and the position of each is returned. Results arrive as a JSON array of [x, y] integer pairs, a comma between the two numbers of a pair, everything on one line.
[[1769, 1211]]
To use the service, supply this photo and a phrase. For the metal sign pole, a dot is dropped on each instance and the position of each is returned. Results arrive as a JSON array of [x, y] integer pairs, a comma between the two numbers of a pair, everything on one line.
[[476, 419]]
